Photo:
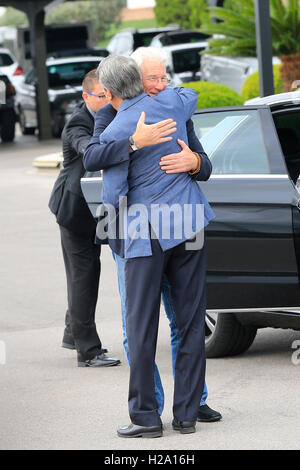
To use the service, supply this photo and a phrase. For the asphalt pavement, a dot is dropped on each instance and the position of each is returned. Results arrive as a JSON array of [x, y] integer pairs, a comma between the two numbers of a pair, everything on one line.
[[46, 402]]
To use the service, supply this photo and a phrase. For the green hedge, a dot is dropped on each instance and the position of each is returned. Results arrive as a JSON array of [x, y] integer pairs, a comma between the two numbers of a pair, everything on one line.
[[213, 95], [251, 86]]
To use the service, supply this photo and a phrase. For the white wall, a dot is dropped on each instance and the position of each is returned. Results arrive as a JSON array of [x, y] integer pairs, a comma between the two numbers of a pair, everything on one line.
[[131, 4]]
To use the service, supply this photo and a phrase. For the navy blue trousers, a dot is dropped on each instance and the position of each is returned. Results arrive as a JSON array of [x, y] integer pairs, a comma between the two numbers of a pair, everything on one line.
[[186, 272]]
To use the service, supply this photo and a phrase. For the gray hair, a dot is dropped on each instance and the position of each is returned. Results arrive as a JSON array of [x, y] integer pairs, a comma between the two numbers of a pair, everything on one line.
[[121, 76], [142, 54]]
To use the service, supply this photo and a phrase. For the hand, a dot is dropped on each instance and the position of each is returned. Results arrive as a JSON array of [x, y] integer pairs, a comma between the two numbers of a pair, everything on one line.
[[180, 162], [152, 134]]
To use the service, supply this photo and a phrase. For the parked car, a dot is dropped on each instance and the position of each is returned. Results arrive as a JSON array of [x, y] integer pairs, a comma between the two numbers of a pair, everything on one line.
[[180, 36], [230, 71], [65, 79], [253, 263], [184, 62], [128, 40], [7, 109], [9, 65]]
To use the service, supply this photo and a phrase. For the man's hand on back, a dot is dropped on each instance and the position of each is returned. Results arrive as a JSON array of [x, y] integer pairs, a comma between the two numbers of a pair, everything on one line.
[[152, 134], [180, 162]]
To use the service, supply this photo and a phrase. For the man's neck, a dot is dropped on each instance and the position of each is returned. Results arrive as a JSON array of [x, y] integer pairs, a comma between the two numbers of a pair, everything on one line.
[[116, 102]]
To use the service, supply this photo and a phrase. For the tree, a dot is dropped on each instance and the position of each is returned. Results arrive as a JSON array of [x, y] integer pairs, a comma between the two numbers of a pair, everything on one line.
[[13, 17], [185, 13], [237, 27], [100, 13]]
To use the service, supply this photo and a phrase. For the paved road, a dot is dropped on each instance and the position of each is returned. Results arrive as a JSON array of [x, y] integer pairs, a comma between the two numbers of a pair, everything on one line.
[[46, 402]]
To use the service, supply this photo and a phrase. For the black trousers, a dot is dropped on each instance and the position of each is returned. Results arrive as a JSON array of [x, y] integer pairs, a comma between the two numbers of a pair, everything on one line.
[[186, 272], [82, 263]]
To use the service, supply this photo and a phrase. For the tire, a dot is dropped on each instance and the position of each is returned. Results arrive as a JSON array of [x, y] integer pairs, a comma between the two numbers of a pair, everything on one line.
[[25, 130], [225, 336], [8, 126]]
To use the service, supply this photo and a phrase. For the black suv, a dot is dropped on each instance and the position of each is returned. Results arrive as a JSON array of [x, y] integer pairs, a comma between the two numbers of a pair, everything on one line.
[[7, 111]]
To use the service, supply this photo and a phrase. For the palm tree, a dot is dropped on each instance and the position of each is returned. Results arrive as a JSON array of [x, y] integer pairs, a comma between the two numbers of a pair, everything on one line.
[[238, 38]]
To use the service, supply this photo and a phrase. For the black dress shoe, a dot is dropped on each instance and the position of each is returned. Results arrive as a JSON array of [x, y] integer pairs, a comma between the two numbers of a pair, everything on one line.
[[208, 415], [184, 427], [134, 430], [101, 360]]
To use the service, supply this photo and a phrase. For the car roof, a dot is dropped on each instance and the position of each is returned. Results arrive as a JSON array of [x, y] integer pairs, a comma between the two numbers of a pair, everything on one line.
[[164, 29], [68, 60], [6, 51], [181, 31], [274, 100], [187, 45]]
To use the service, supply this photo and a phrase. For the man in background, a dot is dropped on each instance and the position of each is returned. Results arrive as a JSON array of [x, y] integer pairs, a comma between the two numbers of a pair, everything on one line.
[[77, 229]]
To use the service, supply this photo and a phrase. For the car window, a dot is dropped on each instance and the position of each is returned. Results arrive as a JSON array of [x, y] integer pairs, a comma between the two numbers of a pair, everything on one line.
[[62, 75], [233, 140], [183, 38], [143, 39], [288, 129], [5, 60], [29, 77], [186, 60]]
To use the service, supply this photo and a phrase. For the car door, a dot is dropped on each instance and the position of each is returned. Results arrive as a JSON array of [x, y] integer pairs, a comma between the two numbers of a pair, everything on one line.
[[251, 246], [26, 99]]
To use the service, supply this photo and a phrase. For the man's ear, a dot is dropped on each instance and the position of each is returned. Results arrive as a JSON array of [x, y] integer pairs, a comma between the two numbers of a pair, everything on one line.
[[84, 95], [108, 94]]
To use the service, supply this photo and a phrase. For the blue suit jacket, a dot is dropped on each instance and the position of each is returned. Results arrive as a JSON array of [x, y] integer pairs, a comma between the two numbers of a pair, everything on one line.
[[100, 156], [145, 183]]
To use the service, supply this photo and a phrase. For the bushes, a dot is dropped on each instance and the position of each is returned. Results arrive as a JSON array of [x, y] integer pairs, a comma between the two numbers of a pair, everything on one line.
[[212, 95], [251, 86]]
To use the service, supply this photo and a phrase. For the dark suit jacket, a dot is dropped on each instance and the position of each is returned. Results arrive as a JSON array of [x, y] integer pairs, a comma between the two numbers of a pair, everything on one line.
[[67, 201]]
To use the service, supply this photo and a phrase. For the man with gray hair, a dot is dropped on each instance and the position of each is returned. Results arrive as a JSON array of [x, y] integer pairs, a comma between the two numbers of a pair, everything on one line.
[[149, 258], [152, 64]]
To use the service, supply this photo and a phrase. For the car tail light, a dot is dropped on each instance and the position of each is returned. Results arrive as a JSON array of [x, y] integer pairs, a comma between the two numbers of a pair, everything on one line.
[[19, 71]]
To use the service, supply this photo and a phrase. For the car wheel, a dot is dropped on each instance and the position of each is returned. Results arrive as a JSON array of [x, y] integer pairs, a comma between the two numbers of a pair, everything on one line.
[[8, 126], [22, 120], [225, 336]]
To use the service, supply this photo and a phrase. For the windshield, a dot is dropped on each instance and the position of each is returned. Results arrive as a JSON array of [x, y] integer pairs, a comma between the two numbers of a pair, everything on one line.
[[69, 74], [183, 38], [187, 60]]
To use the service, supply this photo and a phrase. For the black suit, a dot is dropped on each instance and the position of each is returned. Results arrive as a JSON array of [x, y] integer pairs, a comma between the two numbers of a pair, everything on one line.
[[77, 227]]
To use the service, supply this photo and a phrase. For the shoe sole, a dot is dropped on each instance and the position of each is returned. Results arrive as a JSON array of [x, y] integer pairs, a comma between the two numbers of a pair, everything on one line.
[[143, 434], [68, 346], [185, 430], [84, 364], [210, 420]]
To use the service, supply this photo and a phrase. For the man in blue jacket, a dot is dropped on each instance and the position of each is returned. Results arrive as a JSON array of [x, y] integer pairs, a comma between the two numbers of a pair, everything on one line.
[[150, 256], [152, 64]]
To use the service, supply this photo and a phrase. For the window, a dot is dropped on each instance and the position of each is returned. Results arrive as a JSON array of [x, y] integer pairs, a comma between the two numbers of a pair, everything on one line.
[[288, 130], [73, 73], [182, 38], [5, 60], [187, 60], [233, 141]]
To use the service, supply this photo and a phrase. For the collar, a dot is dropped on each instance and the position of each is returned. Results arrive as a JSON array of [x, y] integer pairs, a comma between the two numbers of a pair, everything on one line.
[[128, 103], [90, 111]]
